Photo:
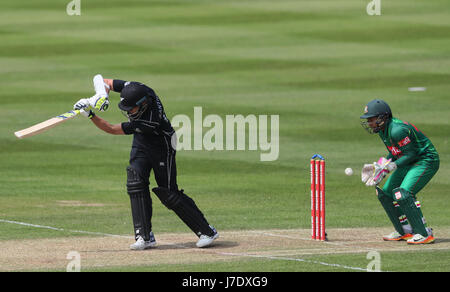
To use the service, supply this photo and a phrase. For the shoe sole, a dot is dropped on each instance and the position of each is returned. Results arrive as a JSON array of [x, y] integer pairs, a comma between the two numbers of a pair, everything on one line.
[[428, 240], [144, 247], [404, 237]]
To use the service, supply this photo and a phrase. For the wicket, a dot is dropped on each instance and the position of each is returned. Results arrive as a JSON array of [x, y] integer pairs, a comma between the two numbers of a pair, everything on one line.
[[318, 198]]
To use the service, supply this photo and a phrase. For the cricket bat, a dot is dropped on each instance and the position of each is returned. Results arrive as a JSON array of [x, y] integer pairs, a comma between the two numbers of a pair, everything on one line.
[[48, 124]]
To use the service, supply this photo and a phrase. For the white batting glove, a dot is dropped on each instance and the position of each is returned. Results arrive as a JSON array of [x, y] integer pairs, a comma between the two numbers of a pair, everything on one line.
[[82, 104], [88, 114], [99, 102], [84, 107]]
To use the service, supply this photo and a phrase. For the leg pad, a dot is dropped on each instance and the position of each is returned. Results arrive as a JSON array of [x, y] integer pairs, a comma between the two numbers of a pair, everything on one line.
[[186, 210], [393, 213], [408, 204], [141, 204]]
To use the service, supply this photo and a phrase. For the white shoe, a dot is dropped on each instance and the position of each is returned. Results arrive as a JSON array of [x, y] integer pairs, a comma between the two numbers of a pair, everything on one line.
[[419, 239], [141, 244], [206, 240]]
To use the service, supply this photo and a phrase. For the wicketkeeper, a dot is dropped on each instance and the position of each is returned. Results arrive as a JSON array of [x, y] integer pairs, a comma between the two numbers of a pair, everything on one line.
[[412, 160], [151, 150]]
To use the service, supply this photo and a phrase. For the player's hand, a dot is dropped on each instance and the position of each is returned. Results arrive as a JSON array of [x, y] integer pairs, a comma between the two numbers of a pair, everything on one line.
[[391, 166], [99, 102], [387, 164], [84, 107], [87, 113], [82, 104], [382, 168], [367, 172], [379, 173]]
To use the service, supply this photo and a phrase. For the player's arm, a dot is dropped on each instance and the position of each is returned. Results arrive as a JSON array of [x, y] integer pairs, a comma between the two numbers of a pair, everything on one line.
[[100, 100], [84, 108], [110, 84], [115, 84], [105, 126]]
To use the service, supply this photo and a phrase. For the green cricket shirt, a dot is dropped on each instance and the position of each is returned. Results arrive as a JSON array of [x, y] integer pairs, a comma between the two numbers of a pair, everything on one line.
[[407, 144]]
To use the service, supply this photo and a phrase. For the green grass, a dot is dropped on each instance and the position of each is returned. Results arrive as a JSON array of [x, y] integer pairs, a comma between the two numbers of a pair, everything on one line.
[[390, 261], [313, 63], [438, 262]]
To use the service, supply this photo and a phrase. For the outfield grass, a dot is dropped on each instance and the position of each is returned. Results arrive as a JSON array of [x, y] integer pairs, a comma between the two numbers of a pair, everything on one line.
[[313, 63]]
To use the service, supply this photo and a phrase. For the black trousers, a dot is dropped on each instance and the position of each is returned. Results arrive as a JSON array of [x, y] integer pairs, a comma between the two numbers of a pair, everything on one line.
[[159, 157]]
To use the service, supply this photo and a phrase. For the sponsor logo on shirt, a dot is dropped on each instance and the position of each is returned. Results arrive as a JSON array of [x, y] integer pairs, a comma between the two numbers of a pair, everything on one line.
[[404, 142], [394, 150]]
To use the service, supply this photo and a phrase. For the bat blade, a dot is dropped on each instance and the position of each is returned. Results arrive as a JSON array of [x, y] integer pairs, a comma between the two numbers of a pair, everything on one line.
[[48, 124]]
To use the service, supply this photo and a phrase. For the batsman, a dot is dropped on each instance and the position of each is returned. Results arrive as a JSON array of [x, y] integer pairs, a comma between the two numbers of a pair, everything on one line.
[[152, 150], [412, 160]]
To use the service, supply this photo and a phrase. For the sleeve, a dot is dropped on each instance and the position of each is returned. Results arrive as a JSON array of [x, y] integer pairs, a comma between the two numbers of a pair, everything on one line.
[[408, 147], [127, 128], [141, 127], [118, 85]]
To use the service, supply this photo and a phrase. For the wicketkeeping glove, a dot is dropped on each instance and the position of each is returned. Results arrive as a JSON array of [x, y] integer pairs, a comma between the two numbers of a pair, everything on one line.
[[373, 174], [382, 168], [367, 173]]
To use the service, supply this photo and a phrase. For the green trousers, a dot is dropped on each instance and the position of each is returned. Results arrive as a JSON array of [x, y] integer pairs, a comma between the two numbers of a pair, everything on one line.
[[401, 190], [411, 178]]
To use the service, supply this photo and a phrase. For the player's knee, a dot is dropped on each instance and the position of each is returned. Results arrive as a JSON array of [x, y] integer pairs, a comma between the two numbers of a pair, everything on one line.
[[135, 183], [401, 194], [169, 198]]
